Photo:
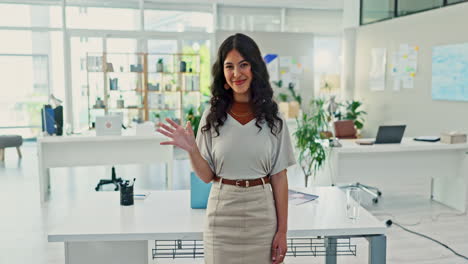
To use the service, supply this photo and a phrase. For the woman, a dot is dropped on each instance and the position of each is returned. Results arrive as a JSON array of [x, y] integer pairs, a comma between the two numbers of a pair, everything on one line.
[[243, 146]]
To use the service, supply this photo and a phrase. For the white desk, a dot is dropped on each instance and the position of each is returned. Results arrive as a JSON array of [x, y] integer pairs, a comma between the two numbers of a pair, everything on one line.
[[444, 165], [74, 151], [98, 230]]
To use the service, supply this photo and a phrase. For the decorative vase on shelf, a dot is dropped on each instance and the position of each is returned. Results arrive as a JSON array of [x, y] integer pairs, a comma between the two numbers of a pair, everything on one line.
[[120, 103], [160, 66], [183, 66]]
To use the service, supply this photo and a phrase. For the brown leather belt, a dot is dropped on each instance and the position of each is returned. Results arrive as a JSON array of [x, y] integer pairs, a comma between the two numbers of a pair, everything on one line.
[[244, 183]]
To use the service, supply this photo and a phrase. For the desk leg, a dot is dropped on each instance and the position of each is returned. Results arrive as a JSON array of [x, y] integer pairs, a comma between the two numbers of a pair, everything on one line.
[[44, 184], [377, 249], [330, 257], [111, 252]]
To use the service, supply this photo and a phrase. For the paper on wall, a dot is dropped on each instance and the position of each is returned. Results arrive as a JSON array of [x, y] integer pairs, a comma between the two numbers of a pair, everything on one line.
[[404, 49], [285, 62], [377, 69], [272, 63]]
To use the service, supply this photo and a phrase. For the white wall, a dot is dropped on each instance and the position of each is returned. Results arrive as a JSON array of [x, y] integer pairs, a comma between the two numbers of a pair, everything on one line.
[[413, 107], [297, 45]]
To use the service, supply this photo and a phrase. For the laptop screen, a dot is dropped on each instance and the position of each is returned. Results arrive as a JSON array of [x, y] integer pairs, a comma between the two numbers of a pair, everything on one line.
[[109, 125], [390, 134]]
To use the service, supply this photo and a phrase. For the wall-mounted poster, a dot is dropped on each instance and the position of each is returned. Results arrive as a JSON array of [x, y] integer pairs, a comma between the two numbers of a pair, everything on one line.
[[404, 66], [450, 72], [377, 69], [272, 63]]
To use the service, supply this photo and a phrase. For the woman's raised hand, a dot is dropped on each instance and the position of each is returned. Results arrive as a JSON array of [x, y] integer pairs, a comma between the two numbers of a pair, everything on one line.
[[181, 137]]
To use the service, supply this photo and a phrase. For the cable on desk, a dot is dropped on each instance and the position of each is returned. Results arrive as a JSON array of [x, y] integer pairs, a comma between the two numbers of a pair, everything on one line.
[[390, 222]]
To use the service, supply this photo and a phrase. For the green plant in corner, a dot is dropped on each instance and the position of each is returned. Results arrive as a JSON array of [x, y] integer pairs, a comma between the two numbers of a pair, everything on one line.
[[194, 117], [295, 96], [352, 113], [309, 139], [283, 97]]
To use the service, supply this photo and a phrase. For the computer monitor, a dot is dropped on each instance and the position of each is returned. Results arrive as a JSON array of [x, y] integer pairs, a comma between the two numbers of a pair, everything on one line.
[[390, 134], [109, 125]]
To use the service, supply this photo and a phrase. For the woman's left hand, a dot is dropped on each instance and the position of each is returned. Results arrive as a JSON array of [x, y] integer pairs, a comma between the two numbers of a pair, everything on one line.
[[279, 248]]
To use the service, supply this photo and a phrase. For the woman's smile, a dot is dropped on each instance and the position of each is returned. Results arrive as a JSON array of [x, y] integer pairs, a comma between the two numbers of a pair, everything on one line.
[[239, 82]]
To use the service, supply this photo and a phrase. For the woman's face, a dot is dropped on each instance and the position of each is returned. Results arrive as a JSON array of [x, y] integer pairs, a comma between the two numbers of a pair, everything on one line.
[[238, 74]]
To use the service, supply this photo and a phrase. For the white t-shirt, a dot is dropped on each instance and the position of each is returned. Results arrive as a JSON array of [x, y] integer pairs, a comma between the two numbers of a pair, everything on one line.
[[244, 152]]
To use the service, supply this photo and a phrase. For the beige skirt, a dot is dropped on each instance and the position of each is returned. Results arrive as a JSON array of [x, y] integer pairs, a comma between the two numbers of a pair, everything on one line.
[[240, 226]]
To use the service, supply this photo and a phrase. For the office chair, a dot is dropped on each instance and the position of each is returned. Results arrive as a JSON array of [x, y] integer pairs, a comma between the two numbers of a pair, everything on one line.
[[114, 180], [344, 129]]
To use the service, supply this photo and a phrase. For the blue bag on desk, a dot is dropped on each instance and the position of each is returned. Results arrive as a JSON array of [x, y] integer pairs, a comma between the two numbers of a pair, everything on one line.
[[199, 192]]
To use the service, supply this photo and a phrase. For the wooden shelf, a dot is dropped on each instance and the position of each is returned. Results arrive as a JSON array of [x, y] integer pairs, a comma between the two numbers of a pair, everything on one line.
[[126, 91], [188, 73], [159, 109], [98, 73], [126, 108], [149, 91]]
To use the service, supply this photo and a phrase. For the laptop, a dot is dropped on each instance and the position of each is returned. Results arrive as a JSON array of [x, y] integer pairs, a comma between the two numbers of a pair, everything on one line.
[[109, 125], [386, 135], [390, 134]]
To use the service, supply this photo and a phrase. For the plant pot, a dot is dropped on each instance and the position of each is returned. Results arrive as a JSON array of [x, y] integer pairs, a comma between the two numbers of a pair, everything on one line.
[[293, 109], [326, 134], [159, 67], [283, 108]]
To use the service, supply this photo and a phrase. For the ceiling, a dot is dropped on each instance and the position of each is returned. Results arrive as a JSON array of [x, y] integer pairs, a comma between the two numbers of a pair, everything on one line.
[[312, 4]]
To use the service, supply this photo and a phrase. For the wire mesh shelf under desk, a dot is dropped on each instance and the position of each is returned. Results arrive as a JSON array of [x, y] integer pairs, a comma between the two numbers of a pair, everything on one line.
[[297, 247]]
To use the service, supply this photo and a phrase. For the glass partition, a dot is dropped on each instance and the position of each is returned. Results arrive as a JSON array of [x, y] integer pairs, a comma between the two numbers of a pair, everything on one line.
[[376, 10], [406, 7], [379, 10]]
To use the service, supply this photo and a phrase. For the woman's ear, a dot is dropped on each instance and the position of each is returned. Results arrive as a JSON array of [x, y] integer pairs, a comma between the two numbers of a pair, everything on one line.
[[226, 86]]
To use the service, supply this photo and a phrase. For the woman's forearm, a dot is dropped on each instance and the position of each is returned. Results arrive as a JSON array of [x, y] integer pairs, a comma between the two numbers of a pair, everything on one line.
[[200, 165], [279, 183]]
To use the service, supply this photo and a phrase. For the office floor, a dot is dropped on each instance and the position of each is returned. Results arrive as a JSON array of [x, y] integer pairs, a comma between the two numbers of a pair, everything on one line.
[[24, 223]]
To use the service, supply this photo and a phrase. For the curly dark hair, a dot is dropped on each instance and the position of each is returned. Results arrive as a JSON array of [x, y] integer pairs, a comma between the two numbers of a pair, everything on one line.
[[264, 107]]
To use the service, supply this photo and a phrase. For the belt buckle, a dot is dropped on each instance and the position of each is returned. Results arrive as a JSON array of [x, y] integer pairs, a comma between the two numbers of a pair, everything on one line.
[[238, 183]]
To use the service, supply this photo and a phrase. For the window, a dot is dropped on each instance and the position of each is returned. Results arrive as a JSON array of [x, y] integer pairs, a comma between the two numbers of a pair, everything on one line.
[[455, 1], [103, 18], [79, 48], [249, 19], [406, 7], [327, 65], [14, 15], [376, 10], [178, 21], [201, 47], [24, 89]]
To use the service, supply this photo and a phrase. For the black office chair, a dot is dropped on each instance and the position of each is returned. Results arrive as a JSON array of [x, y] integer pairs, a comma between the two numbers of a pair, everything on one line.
[[344, 129], [114, 180]]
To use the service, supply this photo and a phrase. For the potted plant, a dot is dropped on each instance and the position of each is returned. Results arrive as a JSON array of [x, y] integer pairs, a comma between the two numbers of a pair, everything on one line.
[[160, 65], [194, 118], [309, 141], [352, 113], [321, 118]]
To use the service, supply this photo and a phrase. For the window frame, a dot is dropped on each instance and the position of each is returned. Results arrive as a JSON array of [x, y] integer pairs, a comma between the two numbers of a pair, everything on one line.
[[396, 11]]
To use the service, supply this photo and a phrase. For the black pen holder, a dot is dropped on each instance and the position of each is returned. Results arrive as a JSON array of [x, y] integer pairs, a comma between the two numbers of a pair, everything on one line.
[[126, 194]]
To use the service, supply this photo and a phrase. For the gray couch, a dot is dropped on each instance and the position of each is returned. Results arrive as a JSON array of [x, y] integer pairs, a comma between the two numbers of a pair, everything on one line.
[[10, 141]]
